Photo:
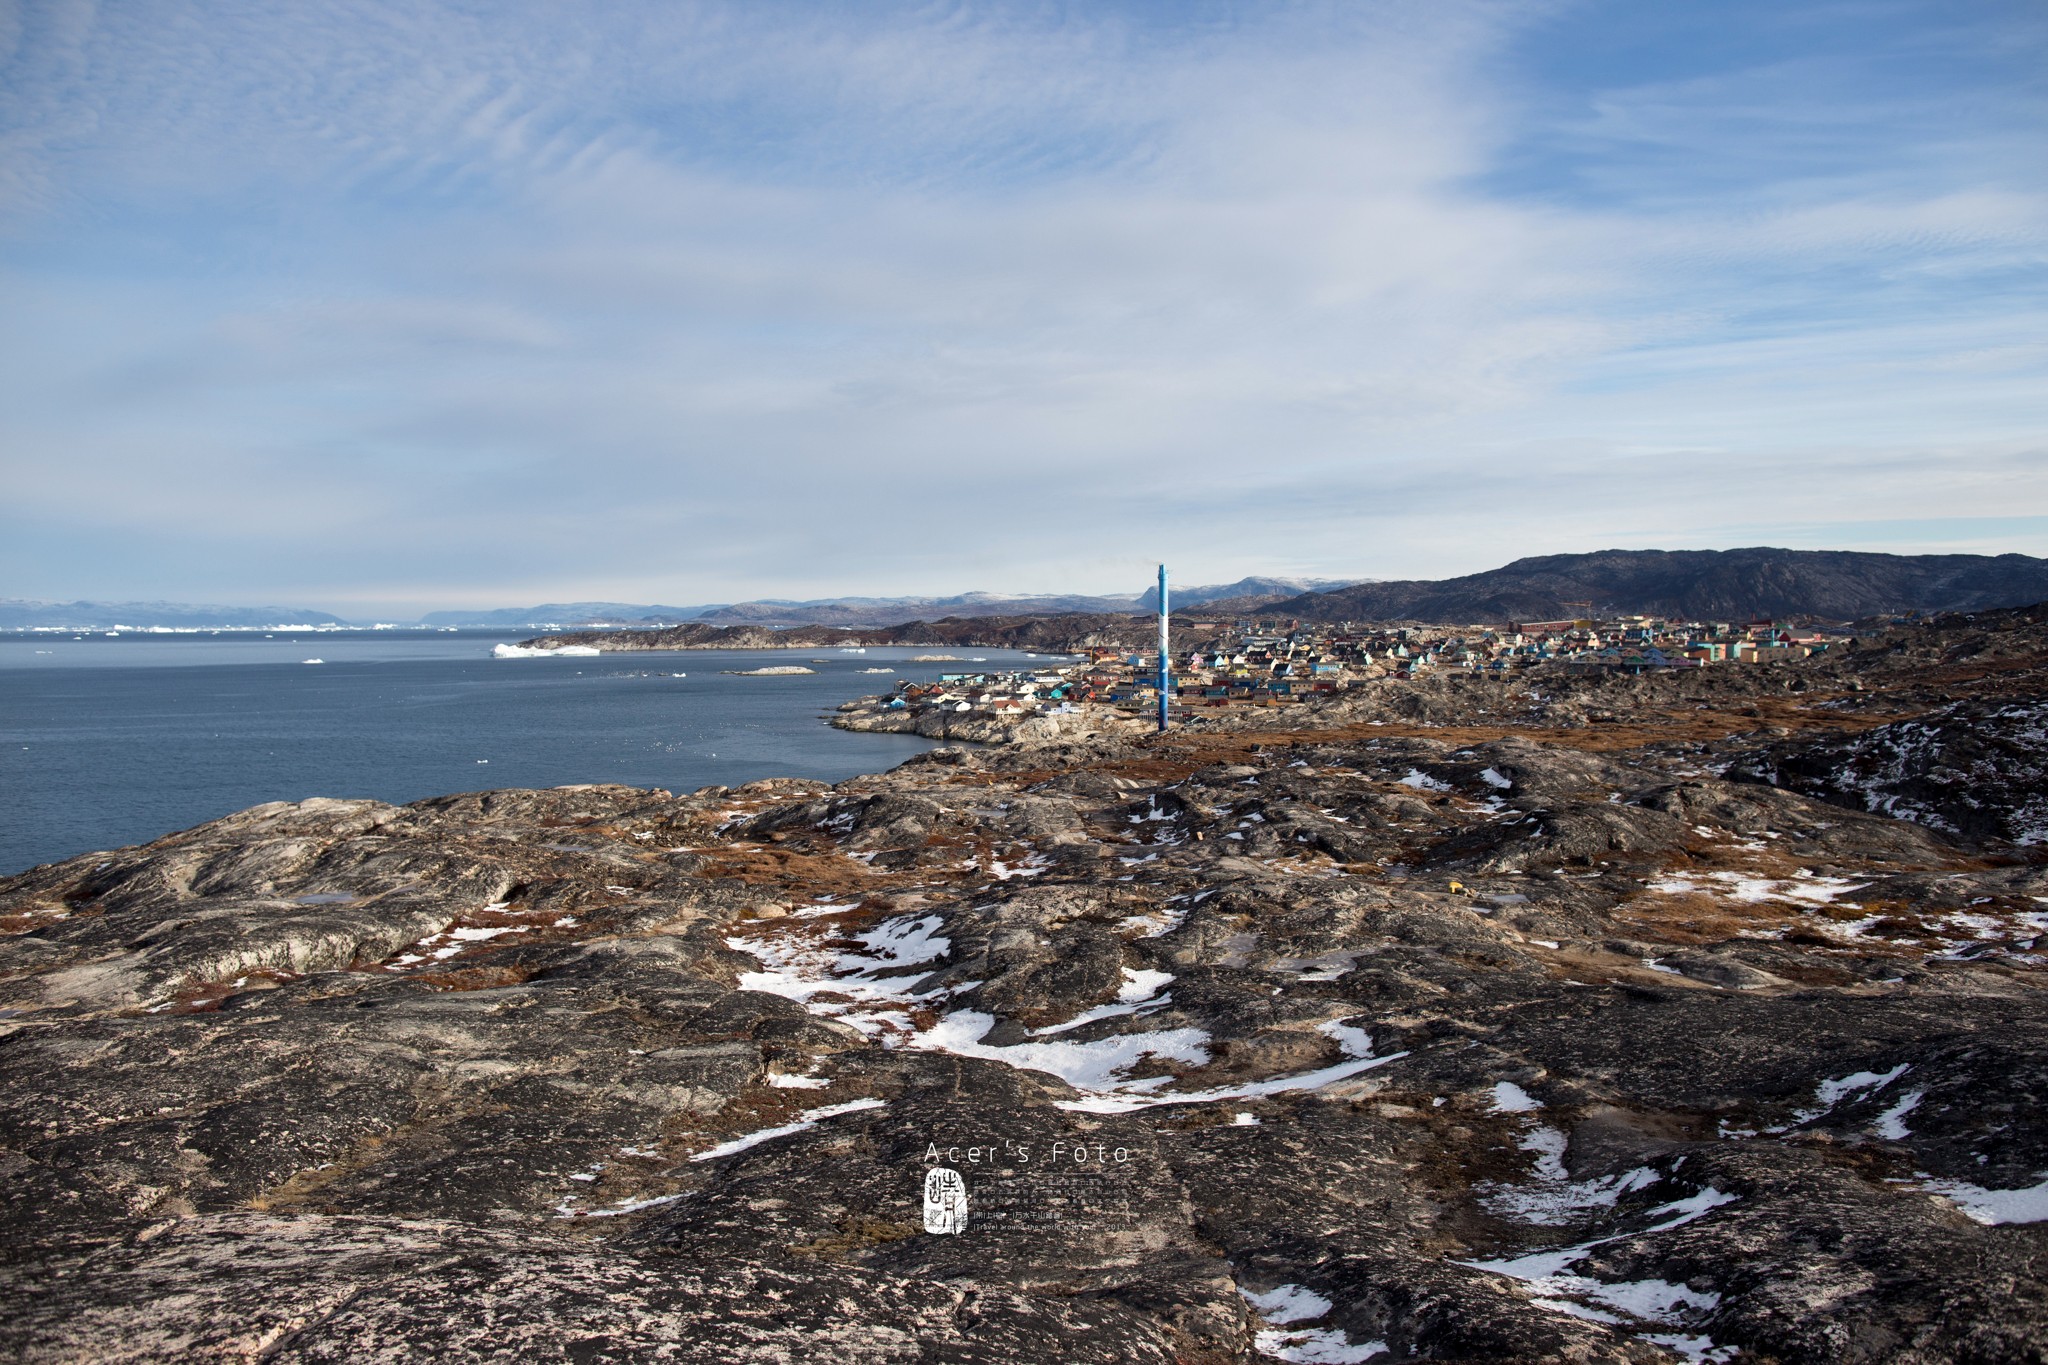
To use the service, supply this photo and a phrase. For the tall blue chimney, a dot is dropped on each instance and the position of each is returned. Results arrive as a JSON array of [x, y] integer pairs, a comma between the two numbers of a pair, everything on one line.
[[1165, 668]]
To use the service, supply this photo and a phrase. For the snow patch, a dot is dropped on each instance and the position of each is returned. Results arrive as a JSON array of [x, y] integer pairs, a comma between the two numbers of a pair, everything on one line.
[[1553, 1286], [1355, 1043], [1805, 889], [1828, 1094], [871, 987], [1993, 1207], [809, 1119], [1891, 1124], [1509, 1098], [1097, 1066], [1288, 1303], [1139, 991], [1315, 1346], [1293, 1303], [782, 1080]]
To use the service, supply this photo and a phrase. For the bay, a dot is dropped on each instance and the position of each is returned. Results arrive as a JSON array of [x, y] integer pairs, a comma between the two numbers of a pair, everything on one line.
[[106, 742]]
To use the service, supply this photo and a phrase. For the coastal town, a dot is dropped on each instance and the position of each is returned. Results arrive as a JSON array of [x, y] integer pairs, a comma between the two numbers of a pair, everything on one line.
[[1279, 663]]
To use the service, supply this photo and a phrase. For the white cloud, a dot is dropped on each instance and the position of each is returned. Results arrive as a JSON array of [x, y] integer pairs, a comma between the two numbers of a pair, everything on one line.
[[713, 301]]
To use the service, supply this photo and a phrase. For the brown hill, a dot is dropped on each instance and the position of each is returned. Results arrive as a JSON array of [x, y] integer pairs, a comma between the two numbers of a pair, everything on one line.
[[1841, 585]]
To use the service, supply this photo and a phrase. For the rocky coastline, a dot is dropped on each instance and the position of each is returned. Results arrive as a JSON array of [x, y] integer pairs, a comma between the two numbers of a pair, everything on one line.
[[874, 715], [1596, 1019], [1054, 634]]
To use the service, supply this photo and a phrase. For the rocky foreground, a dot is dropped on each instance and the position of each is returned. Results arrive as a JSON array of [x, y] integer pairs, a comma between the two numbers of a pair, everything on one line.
[[1602, 1021]]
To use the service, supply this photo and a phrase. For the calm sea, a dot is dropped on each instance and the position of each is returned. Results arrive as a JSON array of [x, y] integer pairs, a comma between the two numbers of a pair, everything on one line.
[[106, 742]]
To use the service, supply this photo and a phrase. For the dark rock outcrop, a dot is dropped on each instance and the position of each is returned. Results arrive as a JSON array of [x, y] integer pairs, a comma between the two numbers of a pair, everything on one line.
[[1483, 1036], [1977, 769]]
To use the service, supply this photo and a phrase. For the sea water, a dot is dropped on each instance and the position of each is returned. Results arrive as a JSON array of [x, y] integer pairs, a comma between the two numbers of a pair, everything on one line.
[[112, 741]]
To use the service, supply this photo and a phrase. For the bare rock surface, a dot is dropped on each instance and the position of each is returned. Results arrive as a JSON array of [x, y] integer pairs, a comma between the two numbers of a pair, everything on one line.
[[1488, 1033]]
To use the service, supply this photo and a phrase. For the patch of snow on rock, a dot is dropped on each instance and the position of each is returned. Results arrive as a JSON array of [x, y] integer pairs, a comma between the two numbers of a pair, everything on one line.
[[1288, 1303], [1509, 1098], [1891, 1124], [808, 1119], [1993, 1207], [1280, 1340]]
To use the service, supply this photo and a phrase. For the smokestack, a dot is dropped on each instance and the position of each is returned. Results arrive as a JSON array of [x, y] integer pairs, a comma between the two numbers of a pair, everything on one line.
[[1165, 668]]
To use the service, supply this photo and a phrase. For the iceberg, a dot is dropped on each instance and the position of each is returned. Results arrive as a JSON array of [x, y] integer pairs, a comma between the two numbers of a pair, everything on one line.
[[523, 652]]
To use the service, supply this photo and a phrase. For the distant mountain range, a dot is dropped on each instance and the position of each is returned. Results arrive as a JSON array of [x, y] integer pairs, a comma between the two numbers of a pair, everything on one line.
[[1712, 585], [887, 611], [830, 611], [20, 615], [556, 614], [876, 611]]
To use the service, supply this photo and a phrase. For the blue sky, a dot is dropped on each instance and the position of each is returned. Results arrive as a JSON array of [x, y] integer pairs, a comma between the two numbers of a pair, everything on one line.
[[379, 306]]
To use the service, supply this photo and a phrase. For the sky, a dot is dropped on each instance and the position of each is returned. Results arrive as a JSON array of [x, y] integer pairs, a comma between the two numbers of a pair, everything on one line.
[[390, 307]]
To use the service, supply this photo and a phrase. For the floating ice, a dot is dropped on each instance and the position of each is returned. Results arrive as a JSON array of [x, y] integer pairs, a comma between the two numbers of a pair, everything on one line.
[[523, 652]]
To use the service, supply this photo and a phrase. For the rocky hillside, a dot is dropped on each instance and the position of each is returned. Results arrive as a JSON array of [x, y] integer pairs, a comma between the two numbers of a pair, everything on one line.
[[1058, 634], [1724, 585], [884, 611], [1977, 769], [1467, 1022]]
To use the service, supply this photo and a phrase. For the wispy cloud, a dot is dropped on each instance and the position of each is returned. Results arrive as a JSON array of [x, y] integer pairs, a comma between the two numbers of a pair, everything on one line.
[[673, 303]]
